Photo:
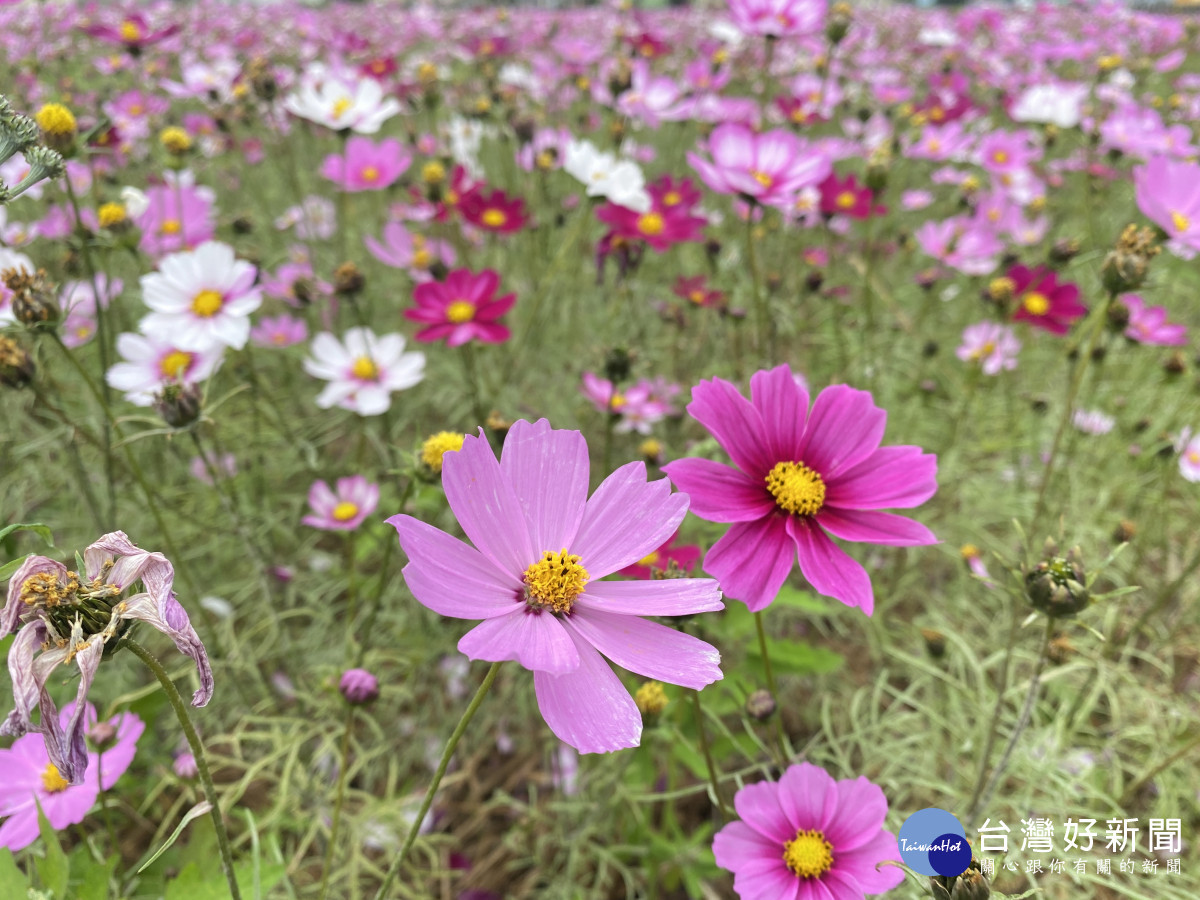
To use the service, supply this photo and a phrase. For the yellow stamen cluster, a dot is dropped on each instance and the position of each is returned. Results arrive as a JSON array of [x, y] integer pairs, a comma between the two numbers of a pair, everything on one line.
[[433, 172], [762, 178], [651, 699], [968, 551], [809, 854], [438, 444], [56, 120], [1036, 304], [109, 215], [207, 303], [460, 311], [797, 489], [170, 227], [46, 591], [52, 781], [365, 369], [345, 511], [651, 223], [493, 218], [1002, 289], [175, 140], [554, 581], [175, 363]]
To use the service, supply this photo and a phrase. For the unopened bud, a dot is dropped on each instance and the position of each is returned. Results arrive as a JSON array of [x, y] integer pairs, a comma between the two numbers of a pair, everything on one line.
[[16, 365], [348, 280], [760, 705], [359, 686], [179, 405]]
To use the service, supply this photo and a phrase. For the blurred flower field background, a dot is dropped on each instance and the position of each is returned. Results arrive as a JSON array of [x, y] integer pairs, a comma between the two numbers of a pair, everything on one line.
[[375, 375]]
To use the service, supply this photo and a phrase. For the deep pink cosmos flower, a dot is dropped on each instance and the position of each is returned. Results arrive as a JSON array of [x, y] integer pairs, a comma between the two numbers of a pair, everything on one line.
[[846, 197], [801, 476], [1149, 325], [343, 509], [493, 211], [31, 778], [778, 18], [366, 165], [1168, 193], [684, 556], [540, 548], [808, 837], [669, 221], [462, 308], [133, 32], [768, 168], [1042, 301], [695, 290]]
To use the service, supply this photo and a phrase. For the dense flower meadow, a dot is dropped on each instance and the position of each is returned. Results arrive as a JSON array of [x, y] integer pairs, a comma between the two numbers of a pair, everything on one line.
[[598, 453]]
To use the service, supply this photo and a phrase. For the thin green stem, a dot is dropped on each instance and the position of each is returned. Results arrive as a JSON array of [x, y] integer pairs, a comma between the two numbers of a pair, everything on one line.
[[343, 760], [448, 752], [708, 760], [197, 748], [994, 721], [776, 727], [765, 333]]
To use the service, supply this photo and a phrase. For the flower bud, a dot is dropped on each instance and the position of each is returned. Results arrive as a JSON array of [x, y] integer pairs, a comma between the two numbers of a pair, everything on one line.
[[1125, 267], [651, 699], [175, 141], [348, 280], [179, 405], [359, 686], [970, 885], [1064, 250], [16, 366], [935, 642], [1056, 586], [58, 126], [102, 735], [760, 705], [33, 302], [436, 445], [618, 364]]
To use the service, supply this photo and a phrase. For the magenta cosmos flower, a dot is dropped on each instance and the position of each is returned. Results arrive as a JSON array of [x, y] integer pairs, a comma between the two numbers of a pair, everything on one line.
[[808, 837], [1042, 301], [366, 165], [801, 476], [541, 547], [778, 18], [462, 308], [768, 168], [343, 509], [30, 778]]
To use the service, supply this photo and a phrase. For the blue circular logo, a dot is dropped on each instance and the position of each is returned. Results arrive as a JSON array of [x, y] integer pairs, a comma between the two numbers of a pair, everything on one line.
[[933, 842]]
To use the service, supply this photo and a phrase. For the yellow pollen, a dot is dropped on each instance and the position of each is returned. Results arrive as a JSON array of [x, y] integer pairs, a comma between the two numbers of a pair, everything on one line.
[[762, 178], [934, 145], [207, 304], [370, 173], [175, 140], [545, 159], [809, 854], [554, 581], [672, 198], [797, 489], [55, 119], [433, 173], [279, 338], [345, 511], [993, 215], [696, 297], [110, 214], [83, 331], [798, 115], [460, 311], [1180, 221], [441, 443], [937, 114], [452, 198], [1036, 304], [136, 109], [493, 218], [650, 698], [174, 364], [340, 107], [1000, 156], [846, 200], [1194, 457], [650, 223], [648, 561], [171, 226], [130, 31], [986, 350], [968, 551], [365, 369], [52, 781], [617, 401], [422, 259]]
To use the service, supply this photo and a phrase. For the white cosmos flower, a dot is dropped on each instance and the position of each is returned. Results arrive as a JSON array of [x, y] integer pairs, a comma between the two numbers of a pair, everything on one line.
[[150, 364], [341, 101], [1057, 104], [201, 297], [135, 202], [618, 180], [363, 370]]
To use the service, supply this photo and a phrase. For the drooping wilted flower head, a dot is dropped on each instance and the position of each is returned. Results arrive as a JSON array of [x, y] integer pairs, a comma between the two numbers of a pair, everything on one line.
[[64, 617]]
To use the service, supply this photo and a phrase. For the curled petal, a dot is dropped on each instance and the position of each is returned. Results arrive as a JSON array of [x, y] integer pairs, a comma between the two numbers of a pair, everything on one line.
[[13, 606], [20, 669], [171, 619]]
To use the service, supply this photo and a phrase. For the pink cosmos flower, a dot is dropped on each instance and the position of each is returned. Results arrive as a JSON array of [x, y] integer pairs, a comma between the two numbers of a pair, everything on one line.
[[1189, 455], [224, 465], [402, 249], [768, 168], [778, 18], [1168, 193], [149, 364], [178, 218], [993, 346], [1149, 325], [279, 331], [1006, 151], [344, 509], [967, 245], [533, 575], [800, 477], [366, 165], [808, 837], [637, 407], [462, 308], [133, 32], [30, 778], [1042, 301], [684, 556]]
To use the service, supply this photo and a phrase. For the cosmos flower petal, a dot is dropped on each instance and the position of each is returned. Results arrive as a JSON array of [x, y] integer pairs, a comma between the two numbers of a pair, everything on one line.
[[538, 641], [861, 861], [625, 519], [828, 568], [168, 616], [752, 560], [865, 526], [845, 427], [718, 492], [25, 687], [548, 470], [13, 606], [734, 422], [768, 879], [783, 406], [757, 805], [647, 648], [809, 796], [19, 831], [589, 709], [667, 597], [739, 841], [896, 477]]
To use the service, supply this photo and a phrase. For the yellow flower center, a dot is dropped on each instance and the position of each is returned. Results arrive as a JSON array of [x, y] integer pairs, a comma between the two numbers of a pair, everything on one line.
[[934, 145], [83, 331], [130, 31], [762, 178], [110, 214], [52, 781], [55, 119], [986, 350], [422, 258], [846, 200], [493, 218], [1000, 156], [340, 106], [171, 226], [554, 581], [617, 401], [207, 304], [175, 140], [809, 854], [650, 223], [433, 173], [993, 215], [1180, 221], [460, 311], [650, 698], [968, 551], [441, 443], [696, 297], [365, 369], [1036, 304], [672, 198], [175, 363], [797, 489], [345, 511], [648, 561], [370, 173]]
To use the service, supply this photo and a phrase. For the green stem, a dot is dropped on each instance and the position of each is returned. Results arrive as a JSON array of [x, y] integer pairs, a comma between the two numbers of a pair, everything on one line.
[[451, 744], [337, 804], [776, 727], [197, 748], [765, 334], [708, 760]]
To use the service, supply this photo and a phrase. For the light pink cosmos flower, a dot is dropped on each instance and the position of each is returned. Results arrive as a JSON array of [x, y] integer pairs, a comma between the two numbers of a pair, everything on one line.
[[402, 249], [778, 18], [367, 166], [363, 370], [224, 465], [149, 364], [768, 168], [1149, 325], [31, 778], [540, 548], [808, 837], [992, 345], [1092, 421], [1189, 455], [343, 509], [178, 216], [1168, 193], [651, 99], [968, 245], [801, 476], [279, 331], [637, 407]]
